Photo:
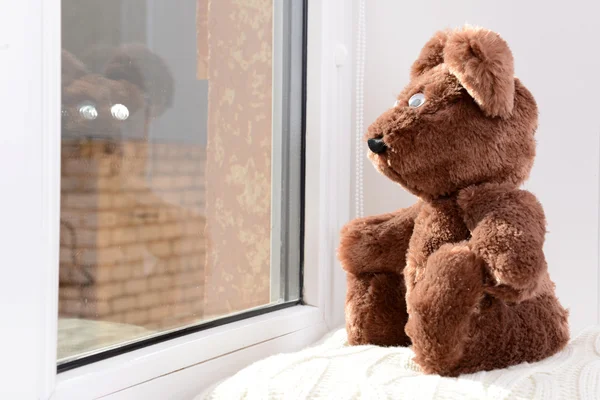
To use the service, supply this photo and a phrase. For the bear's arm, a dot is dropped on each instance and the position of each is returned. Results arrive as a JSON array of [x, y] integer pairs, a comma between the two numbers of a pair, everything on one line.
[[378, 243], [508, 228]]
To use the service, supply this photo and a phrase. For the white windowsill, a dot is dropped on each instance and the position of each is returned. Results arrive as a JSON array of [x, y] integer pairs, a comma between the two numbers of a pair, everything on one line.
[[232, 340]]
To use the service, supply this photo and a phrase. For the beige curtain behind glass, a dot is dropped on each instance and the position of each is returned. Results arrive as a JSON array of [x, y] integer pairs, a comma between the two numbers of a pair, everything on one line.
[[234, 54]]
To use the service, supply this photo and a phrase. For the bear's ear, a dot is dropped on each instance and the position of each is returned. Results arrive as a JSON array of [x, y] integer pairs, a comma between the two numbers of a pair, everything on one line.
[[483, 64], [137, 64], [431, 55], [71, 68]]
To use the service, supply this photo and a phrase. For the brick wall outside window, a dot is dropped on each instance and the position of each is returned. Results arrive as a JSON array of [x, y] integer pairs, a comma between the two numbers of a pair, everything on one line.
[[132, 240]]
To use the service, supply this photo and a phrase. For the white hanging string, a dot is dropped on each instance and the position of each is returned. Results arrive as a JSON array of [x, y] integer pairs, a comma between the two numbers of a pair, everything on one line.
[[361, 47]]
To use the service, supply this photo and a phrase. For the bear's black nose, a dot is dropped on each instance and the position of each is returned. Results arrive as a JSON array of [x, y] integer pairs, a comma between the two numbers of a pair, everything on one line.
[[376, 145]]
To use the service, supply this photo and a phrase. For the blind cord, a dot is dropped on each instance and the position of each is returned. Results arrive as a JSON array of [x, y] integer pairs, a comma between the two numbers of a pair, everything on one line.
[[361, 46]]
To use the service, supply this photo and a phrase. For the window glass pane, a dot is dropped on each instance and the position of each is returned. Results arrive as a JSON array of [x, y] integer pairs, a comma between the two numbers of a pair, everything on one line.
[[180, 173]]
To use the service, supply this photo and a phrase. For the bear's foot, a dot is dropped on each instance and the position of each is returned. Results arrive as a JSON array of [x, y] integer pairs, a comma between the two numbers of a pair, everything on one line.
[[441, 305]]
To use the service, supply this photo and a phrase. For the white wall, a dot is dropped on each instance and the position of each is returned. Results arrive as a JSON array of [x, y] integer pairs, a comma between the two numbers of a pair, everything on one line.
[[555, 45]]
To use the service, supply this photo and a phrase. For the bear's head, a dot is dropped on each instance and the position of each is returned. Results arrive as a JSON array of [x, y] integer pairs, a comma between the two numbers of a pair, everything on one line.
[[463, 119], [131, 86]]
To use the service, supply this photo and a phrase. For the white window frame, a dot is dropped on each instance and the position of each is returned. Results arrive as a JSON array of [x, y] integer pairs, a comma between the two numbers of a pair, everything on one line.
[[30, 160]]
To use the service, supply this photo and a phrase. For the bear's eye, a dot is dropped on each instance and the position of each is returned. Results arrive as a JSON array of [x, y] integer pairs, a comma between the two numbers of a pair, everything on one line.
[[88, 111], [416, 100], [119, 112]]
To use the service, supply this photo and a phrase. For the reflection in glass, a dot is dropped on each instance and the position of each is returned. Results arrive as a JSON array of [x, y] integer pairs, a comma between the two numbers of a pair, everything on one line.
[[149, 244]]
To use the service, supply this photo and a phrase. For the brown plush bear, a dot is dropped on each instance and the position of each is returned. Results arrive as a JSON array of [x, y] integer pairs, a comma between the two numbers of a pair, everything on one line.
[[461, 274]]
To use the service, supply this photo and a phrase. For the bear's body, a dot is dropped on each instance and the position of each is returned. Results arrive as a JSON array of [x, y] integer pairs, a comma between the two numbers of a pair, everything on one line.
[[460, 275]]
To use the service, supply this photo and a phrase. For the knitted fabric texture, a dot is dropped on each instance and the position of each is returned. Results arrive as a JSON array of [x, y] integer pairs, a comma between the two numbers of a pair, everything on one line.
[[334, 370]]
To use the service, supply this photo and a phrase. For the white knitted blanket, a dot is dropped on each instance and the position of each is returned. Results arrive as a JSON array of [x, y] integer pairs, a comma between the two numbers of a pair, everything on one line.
[[334, 370]]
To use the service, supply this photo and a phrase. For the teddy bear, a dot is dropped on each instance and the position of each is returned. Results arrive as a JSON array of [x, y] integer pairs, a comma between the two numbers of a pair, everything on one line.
[[461, 275]]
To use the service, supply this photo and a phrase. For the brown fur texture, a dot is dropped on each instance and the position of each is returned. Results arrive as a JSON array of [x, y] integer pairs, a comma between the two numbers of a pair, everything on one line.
[[460, 275]]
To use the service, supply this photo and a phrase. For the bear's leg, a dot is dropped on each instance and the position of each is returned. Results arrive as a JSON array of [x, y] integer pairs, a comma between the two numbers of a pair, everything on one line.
[[376, 309], [509, 334], [373, 253], [441, 306]]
